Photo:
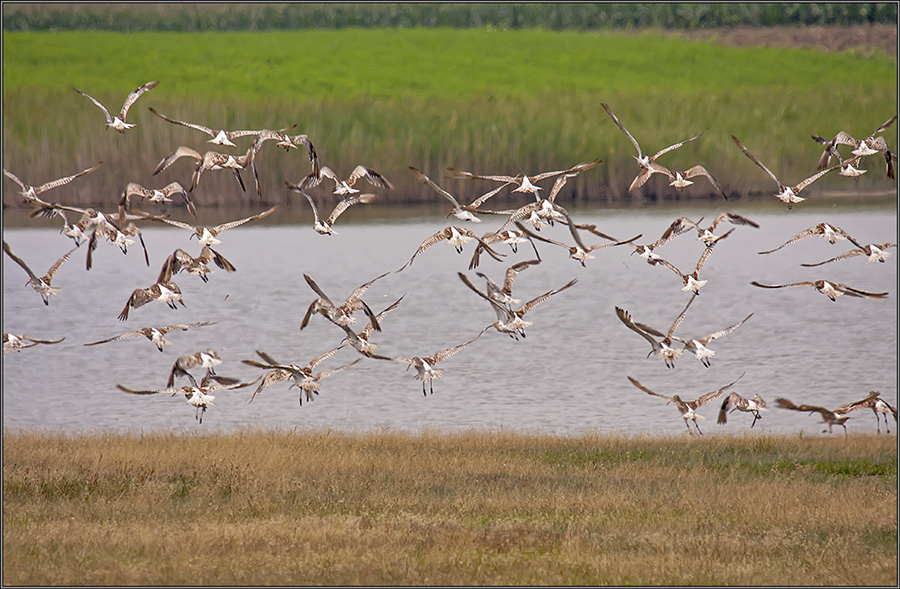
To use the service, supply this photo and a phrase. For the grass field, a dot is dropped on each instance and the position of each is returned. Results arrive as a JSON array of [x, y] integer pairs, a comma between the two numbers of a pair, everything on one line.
[[477, 508], [483, 100]]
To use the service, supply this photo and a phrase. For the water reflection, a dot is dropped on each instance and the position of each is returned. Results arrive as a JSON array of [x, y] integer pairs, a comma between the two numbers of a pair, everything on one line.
[[567, 376]]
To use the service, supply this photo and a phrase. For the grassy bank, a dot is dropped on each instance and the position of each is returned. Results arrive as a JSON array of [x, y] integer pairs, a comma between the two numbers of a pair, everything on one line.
[[479, 508], [487, 101]]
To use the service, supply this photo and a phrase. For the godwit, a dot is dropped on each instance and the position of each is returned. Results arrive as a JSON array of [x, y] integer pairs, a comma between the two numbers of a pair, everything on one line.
[[164, 292], [688, 409], [662, 348], [874, 251], [461, 212], [13, 342], [879, 407], [198, 397], [786, 194], [340, 314], [210, 160], [455, 236], [512, 321], [219, 136], [692, 280], [159, 196], [698, 346], [303, 376], [677, 227], [208, 359], [425, 367], [180, 260], [209, 235], [837, 417], [646, 161], [30, 193], [118, 122], [735, 401], [40, 285], [326, 227], [831, 233], [524, 183], [154, 334], [708, 236], [861, 147], [344, 187], [832, 290], [503, 294]]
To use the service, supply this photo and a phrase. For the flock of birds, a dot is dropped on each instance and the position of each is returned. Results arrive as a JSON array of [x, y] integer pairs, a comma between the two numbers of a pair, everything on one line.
[[519, 226]]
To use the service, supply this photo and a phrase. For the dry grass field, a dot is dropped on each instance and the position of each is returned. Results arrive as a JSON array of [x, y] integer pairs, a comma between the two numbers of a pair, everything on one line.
[[477, 508]]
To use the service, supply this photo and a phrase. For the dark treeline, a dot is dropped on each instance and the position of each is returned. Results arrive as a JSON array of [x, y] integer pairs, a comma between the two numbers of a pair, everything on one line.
[[556, 16]]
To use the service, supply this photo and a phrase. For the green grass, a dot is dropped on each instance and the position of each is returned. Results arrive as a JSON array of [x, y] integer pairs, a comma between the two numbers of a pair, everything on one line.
[[489, 101]]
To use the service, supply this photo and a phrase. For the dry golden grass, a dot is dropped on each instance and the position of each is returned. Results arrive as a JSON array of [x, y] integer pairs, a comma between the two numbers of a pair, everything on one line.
[[476, 508]]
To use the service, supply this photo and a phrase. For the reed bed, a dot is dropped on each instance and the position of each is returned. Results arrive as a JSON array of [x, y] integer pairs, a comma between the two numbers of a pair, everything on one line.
[[486, 101], [320, 507]]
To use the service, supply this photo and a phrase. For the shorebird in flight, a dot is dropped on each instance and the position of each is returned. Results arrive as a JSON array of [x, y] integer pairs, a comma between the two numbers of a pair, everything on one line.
[[662, 348], [511, 237], [164, 292], [159, 196], [197, 396], [340, 314], [210, 160], [647, 161], [579, 252], [512, 321], [303, 376], [219, 136], [503, 294], [830, 233], [157, 335], [879, 407], [210, 235], [874, 251], [861, 147], [736, 402], [692, 282], [688, 409], [30, 193], [837, 417], [678, 227], [461, 212], [208, 359], [707, 235], [344, 187], [118, 122], [425, 366], [455, 236], [40, 284], [523, 182], [360, 341], [326, 227], [14, 342], [697, 346], [786, 194], [180, 260], [832, 290]]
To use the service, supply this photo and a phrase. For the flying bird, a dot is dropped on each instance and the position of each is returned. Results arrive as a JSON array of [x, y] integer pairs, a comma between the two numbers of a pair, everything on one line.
[[40, 284], [830, 233], [736, 402], [30, 193], [14, 342], [326, 227], [154, 334], [832, 290], [118, 122], [688, 409]]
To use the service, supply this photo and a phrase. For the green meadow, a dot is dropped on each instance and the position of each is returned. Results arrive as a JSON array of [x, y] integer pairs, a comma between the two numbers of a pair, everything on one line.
[[491, 101]]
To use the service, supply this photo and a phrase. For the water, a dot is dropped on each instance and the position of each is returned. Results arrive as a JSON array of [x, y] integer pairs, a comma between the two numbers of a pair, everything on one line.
[[568, 376]]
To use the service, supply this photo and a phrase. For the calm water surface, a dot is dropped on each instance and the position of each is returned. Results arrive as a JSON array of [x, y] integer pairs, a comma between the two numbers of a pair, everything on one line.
[[568, 376]]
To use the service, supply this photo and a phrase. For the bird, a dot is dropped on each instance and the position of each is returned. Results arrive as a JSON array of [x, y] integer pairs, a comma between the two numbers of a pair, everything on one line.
[[15, 342], [219, 136], [455, 236], [503, 294], [681, 179], [208, 359], [210, 235], [180, 260], [874, 251], [303, 376], [340, 314], [511, 237], [41, 284], [118, 122], [832, 290], [360, 341], [344, 187], [830, 233], [326, 227], [164, 292], [837, 417], [578, 252], [425, 366], [461, 212], [879, 407], [692, 282], [688, 409], [698, 345], [158, 195], [209, 160], [662, 348], [736, 402], [197, 396], [647, 161], [677, 227], [861, 147], [154, 334], [512, 321], [707, 235], [30, 193], [523, 182], [789, 195]]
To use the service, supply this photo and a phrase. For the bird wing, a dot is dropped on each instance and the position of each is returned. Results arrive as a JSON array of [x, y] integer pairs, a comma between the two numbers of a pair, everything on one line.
[[118, 337], [699, 170], [230, 224], [677, 227], [625, 317], [852, 253], [326, 373], [427, 181], [19, 261], [344, 203], [521, 311], [803, 283], [675, 146], [180, 152], [95, 101], [374, 178], [172, 390], [513, 271], [814, 177], [681, 315], [481, 199], [460, 175], [14, 178], [708, 251], [135, 94], [503, 314], [703, 399], [648, 391], [54, 183], [756, 161], [849, 290], [206, 130], [724, 332], [624, 130], [444, 354]]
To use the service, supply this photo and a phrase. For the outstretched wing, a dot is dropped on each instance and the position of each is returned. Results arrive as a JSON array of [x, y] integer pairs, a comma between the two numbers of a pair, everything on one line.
[[675, 146], [756, 161], [95, 101], [135, 94], [648, 391], [703, 399], [230, 224], [206, 130]]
